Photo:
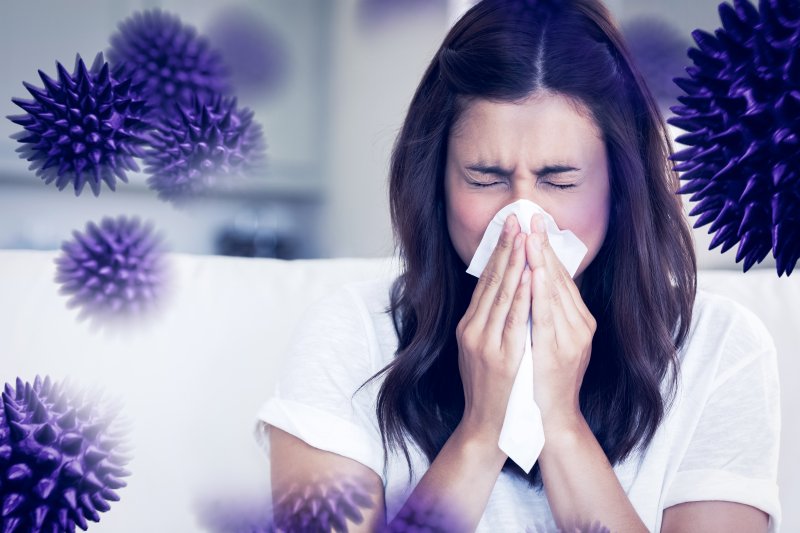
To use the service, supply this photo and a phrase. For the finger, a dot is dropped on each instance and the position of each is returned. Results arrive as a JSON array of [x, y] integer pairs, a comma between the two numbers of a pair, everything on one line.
[[558, 281], [552, 296], [514, 334], [564, 276], [498, 312], [542, 332], [492, 275]]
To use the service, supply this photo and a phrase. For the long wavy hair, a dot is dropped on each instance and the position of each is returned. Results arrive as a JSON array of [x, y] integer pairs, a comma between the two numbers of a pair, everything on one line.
[[640, 287]]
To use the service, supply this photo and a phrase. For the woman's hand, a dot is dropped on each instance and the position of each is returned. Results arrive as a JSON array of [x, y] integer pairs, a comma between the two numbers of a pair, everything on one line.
[[561, 336], [491, 334]]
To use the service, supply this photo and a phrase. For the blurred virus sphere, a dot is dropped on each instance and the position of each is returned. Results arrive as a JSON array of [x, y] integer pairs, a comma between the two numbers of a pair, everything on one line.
[[376, 15], [112, 270], [202, 146], [169, 58], [659, 51], [253, 50]]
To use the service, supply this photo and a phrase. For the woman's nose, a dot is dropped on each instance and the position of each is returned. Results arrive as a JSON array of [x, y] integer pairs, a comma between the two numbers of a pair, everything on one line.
[[529, 192]]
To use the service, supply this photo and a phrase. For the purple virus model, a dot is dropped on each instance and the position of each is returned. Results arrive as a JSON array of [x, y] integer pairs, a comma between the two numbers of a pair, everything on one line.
[[85, 127], [576, 527], [60, 457], [112, 270], [240, 510], [659, 51], [742, 115], [191, 150], [420, 516], [375, 14], [253, 49], [173, 62], [322, 506]]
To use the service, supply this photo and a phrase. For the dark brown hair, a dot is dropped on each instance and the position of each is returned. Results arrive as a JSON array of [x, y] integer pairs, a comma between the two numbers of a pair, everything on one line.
[[641, 285]]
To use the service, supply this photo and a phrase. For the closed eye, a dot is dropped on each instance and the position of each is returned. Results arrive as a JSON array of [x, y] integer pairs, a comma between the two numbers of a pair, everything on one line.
[[560, 186]]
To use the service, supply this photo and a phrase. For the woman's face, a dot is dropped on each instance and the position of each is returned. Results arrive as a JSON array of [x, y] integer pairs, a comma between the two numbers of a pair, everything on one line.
[[542, 150]]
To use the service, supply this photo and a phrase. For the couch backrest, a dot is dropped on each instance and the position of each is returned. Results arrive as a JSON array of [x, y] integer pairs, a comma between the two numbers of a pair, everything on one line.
[[192, 379]]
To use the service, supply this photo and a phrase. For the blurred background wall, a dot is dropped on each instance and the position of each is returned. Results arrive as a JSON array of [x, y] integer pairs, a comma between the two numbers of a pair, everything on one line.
[[329, 81]]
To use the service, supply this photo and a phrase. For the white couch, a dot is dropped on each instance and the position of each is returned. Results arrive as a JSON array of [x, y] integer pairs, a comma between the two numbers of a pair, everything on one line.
[[192, 380]]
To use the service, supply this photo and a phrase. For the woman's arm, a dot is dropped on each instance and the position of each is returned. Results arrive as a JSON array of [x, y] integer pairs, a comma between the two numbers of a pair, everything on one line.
[[314, 489], [713, 517], [453, 492], [490, 338], [582, 487], [451, 496], [580, 484]]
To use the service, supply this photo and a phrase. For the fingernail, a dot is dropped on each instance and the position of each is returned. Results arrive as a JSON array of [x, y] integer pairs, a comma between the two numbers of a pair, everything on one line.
[[537, 241], [518, 241], [507, 225]]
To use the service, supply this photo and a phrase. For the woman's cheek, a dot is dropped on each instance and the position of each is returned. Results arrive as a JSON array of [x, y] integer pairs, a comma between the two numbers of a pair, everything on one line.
[[469, 223]]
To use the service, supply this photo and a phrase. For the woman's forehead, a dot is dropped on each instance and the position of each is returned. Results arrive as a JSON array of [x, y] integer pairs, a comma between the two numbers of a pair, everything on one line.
[[550, 127], [480, 117]]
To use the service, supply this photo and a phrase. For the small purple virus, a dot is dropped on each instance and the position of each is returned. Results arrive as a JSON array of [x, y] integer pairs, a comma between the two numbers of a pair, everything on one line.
[[61, 457], [113, 270], [86, 127], [193, 149], [321, 506], [374, 14], [254, 51], [416, 515], [575, 527], [169, 58], [525, 9], [742, 114], [234, 511], [324, 504]]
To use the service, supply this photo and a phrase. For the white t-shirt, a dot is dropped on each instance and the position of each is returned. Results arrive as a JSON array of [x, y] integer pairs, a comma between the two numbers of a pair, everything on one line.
[[719, 441]]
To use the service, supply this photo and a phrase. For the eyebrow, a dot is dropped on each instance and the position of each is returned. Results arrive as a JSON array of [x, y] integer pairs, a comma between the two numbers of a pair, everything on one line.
[[541, 172]]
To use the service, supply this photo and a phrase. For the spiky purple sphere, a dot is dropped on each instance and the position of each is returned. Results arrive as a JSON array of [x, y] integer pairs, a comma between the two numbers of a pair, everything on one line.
[[60, 462], [742, 112], [321, 506], [86, 127], [173, 62], [190, 151], [116, 269]]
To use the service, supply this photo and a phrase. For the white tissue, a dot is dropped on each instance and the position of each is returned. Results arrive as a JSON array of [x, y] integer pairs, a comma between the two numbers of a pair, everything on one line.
[[522, 435]]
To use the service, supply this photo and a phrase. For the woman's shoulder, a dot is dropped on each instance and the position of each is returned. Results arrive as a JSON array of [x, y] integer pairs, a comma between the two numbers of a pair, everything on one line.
[[724, 334], [373, 299], [357, 299], [719, 317], [373, 293]]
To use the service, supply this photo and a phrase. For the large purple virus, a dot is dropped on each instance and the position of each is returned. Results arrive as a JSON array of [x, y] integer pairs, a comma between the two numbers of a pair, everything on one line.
[[61, 457], [201, 146], [85, 127], [742, 114], [172, 61], [112, 270]]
